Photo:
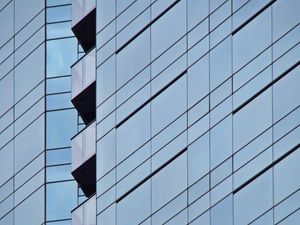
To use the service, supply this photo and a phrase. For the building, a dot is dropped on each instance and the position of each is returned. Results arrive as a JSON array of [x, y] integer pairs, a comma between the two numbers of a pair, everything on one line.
[[37, 118], [189, 112]]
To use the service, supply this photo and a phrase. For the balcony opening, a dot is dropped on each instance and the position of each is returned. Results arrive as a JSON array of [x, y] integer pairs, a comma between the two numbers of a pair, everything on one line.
[[84, 23]]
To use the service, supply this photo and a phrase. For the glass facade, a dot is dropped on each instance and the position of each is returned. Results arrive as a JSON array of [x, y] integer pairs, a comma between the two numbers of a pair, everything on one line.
[[197, 105], [37, 48], [173, 112]]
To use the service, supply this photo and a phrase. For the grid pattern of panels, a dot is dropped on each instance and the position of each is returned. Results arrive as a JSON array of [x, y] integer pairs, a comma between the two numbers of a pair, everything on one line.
[[22, 112], [61, 118], [198, 112]]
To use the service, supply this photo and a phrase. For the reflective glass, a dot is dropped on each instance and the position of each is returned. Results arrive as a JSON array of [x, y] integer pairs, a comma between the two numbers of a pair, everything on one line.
[[133, 58], [222, 212], [169, 105], [135, 207], [106, 10], [139, 126], [251, 39], [197, 11], [221, 142], [220, 63], [61, 54], [25, 11], [6, 93], [165, 186], [285, 101], [6, 162], [285, 16], [251, 120], [6, 23], [29, 143], [28, 76], [286, 179], [246, 206], [61, 126], [56, 14], [23, 212], [198, 159], [198, 80], [165, 32], [60, 199]]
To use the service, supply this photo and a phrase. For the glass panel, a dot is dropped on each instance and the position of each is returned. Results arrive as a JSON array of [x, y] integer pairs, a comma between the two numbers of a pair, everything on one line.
[[25, 11], [6, 23], [29, 143], [197, 11], [6, 93], [135, 207], [6, 162], [251, 120], [23, 213], [169, 105], [80, 9], [83, 145], [56, 14], [198, 159], [61, 199], [285, 101], [28, 76], [286, 178], [165, 32], [139, 127], [246, 207], [59, 30], [61, 54], [133, 58], [198, 80], [106, 80], [222, 212], [61, 126], [285, 16], [252, 39], [165, 185], [106, 154], [220, 63], [221, 142]]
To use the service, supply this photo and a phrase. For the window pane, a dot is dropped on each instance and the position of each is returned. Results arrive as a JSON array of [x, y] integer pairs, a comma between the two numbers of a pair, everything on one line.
[[197, 11], [133, 58], [286, 94], [246, 206], [198, 159], [253, 119], [135, 207], [25, 211], [29, 143], [139, 127], [25, 11], [28, 76], [285, 16], [6, 163], [6, 23], [165, 32], [61, 126], [252, 39], [220, 63], [61, 198], [221, 142], [169, 105], [61, 54], [286, 176], [6, 93], [165, 185], [198, 80]]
